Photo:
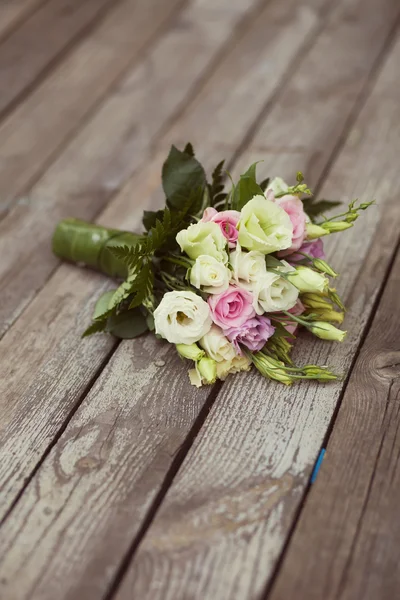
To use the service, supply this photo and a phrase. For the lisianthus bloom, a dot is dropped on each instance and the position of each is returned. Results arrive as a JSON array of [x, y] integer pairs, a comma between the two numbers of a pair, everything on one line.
[[314, 248], [203, 238], [232, 308], [237, 364], [217, 345], [227, 220], [205, 372], [277, 186], [210, 275], [253, 334], [293, 206], [247, 266], [182, 317], [264, 226], [272, 292]]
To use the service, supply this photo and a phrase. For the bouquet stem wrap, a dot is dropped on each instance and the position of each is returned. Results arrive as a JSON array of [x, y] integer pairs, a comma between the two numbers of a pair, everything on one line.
[[81, 242]]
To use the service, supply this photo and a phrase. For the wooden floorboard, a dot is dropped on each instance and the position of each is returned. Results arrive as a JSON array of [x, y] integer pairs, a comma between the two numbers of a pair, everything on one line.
[[345, 544], [36, 131], [40, 41], [96, 162], [79, 460], [224, 522], [14, 12]]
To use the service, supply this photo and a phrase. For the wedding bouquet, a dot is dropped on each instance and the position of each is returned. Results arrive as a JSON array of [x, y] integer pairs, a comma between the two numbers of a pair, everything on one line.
[[225, 276]]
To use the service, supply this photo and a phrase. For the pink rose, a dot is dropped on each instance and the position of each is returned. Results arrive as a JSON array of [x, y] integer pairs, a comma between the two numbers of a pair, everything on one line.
[[227, 220], [253, 334], [232, 308], [293, 206], [314, 248]]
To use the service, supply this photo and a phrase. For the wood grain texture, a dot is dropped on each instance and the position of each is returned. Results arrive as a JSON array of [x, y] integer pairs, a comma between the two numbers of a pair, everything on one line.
[[346, 542], [115, 142], [49, 415], [13, 12], [40, 40], [36, 131], [78, 178], [226, 517]]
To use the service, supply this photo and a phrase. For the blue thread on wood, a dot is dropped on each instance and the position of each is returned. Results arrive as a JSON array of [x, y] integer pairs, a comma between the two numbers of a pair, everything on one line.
[[317, 465]]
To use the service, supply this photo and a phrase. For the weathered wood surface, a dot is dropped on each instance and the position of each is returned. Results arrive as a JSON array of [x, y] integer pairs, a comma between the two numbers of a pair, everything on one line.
[[13, 12], [120, 214], [227, 515], [346, 542], [105, 152], [35, 132], [90, 573], [40, 40]]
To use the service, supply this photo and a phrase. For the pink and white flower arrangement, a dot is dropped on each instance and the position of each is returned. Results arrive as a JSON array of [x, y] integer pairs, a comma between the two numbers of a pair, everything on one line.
[[227, 277]]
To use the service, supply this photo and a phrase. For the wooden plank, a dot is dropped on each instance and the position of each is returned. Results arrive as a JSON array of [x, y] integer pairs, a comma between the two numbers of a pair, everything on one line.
[[94, 164], [90, 557], [119, 138], [40, 41], [346, 542], [52, 407], [37, 130], [226, 517], [13, 12]]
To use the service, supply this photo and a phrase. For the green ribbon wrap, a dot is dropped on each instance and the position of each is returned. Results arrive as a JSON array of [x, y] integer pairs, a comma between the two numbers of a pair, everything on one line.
[[81, 242]]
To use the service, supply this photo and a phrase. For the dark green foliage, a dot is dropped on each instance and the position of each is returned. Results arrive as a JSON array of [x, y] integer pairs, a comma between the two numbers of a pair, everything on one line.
[[246, 188], [183, 177], [216, 188]]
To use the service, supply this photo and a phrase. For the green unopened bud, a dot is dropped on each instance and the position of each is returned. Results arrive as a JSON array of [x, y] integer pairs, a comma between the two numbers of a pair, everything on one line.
[[351, 217], [190, 351], [207, 368], [316, 301], [334, 226], [323, 266], [332, 316], [315, 231], [326, 331], [334, 296], [365, 205], [271, 368], [307, 280]]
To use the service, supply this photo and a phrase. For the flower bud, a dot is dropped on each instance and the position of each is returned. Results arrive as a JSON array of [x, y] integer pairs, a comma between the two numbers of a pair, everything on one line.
[[334, 226], [316, 301], [190, 351], [314, 232], [307, 280], [326, 331], [207, 368], [323, 266], [330, 315]]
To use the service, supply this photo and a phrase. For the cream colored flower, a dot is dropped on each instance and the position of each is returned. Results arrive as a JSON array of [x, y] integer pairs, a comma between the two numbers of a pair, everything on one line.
[[182, 317], [264, 226], [217, 345], [247, 266], [210, 275], [201, 239]]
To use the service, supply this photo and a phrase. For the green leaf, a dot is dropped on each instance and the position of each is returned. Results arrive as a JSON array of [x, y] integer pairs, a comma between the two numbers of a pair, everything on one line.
[[217, 184], [183, 177], [188, 149], [272, 262], [128, 324], [245, 190], [96, 327], [101, 309], [280, 330], [264, 184], [150, 217]]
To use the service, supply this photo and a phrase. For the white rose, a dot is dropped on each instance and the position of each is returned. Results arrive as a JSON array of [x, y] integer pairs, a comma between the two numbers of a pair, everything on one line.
[[217, 345], [203, 238], [247, 266], [264, 226], [273, 293], [182, 317], [210, 275]]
